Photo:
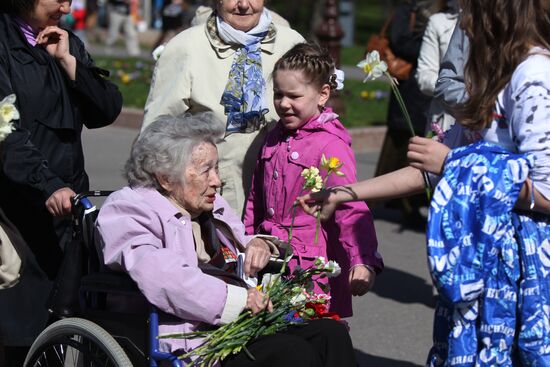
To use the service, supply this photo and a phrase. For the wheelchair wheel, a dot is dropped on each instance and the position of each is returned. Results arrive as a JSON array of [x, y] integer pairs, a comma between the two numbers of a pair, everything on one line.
[[75, 342]]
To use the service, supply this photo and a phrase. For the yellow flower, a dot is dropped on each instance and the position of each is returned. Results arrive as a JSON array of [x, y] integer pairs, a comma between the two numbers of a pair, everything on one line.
[[332, 164], [125, 78]]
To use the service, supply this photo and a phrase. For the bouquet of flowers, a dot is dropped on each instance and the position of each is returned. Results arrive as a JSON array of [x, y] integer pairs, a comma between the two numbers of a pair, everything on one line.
[[293, 304], [314, 182]]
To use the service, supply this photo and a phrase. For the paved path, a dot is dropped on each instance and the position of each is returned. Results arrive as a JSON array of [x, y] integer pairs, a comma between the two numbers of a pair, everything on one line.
[[392, 324]]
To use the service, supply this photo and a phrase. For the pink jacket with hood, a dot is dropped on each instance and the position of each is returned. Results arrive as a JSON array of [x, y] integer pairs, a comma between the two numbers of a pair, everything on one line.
[[348, 238]]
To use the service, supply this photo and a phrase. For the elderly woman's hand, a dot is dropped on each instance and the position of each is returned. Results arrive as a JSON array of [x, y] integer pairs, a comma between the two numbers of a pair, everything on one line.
[[257, 301], [257, 256]]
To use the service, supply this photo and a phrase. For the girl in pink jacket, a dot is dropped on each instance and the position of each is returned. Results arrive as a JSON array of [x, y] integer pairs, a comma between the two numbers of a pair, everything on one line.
[[302, 80]]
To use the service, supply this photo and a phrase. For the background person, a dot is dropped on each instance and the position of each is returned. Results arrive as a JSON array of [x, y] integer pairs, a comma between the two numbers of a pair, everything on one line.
[[169, 223], [58, 91], [406, 31], [120, 17], [224, 66], [173, 14], [434, 46]]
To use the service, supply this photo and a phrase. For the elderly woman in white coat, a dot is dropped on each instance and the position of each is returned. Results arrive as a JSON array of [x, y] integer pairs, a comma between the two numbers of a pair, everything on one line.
[[172, 233], [434, 46], [223, 66]]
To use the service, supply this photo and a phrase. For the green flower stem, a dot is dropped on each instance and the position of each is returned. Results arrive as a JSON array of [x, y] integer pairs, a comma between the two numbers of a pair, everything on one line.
[[397, 94], [318, 216], [404, 110], [291, 224]]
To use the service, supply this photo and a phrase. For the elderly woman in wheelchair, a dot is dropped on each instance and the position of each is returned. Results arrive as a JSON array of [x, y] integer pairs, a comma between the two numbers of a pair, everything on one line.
[[172, 233]]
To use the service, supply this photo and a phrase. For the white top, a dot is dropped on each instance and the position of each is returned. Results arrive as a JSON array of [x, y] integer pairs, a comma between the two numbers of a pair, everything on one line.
[[434, 46], [525, 128]]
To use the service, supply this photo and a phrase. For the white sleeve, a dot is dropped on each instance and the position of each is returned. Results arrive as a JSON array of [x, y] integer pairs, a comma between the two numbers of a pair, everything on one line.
[[234, 303], [530, 124], [428, 60]]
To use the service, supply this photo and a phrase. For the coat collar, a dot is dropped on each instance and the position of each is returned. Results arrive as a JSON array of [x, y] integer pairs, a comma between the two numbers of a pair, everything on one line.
[[327, 122], [224, 50], [16, 41]]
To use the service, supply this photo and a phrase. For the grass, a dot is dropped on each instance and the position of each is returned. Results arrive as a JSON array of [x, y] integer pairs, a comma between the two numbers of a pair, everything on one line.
[[352, 55], [366, 104], [132, 76]]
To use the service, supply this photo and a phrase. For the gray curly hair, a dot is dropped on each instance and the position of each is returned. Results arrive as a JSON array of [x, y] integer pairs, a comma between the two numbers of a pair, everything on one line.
[[165, 146]]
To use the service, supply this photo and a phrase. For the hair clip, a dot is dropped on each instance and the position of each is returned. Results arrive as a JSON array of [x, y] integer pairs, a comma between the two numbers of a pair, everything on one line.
[[339, 79]]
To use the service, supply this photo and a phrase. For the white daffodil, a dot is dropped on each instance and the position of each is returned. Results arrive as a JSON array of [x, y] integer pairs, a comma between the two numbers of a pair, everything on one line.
[[8, 113], [268, 280], [373, 67]]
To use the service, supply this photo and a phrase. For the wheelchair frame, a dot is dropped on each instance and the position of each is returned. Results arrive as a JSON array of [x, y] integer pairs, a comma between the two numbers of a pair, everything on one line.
[[72, 337]]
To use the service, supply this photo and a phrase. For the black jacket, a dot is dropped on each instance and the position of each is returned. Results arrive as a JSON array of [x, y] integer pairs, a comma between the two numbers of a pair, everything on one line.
[[45, 153], [406, 44], [42, 155]]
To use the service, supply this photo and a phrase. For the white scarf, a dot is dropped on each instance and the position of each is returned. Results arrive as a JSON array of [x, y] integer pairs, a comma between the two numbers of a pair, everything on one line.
[[231, 35]]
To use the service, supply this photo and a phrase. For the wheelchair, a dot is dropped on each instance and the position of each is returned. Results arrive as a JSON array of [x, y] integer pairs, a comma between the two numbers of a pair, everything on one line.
[[92, 335]]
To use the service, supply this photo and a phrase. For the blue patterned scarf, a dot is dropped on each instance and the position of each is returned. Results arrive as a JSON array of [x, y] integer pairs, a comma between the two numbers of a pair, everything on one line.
[[243, 98]]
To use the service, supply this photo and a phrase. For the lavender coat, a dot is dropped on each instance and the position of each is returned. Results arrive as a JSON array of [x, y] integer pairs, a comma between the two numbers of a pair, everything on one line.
[[141, 235], [349, 237]]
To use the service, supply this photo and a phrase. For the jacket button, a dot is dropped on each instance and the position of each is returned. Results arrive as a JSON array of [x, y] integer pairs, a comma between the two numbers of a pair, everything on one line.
[[270, 212], [294, 155], [275, 175]]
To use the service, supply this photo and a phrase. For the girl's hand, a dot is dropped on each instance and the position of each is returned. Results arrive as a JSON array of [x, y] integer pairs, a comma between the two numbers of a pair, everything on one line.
[[56, 42], [361, 280], [427, 154], [257, 301]]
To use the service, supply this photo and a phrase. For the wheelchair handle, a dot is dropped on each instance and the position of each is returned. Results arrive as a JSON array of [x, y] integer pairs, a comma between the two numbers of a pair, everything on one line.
[[81, 199]]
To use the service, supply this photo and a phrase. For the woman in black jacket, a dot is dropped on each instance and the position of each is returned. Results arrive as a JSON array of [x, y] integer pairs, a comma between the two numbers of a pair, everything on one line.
[[58, 90], [410, 18]]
